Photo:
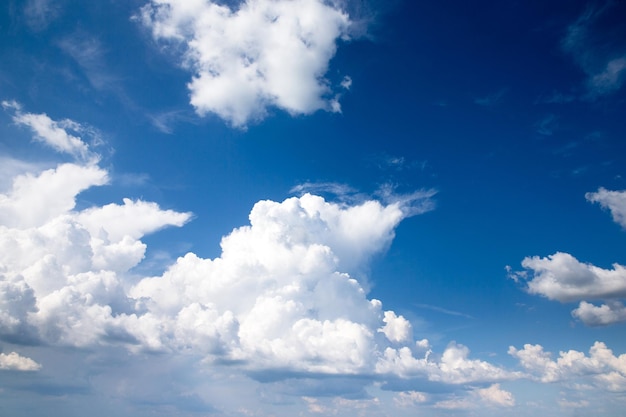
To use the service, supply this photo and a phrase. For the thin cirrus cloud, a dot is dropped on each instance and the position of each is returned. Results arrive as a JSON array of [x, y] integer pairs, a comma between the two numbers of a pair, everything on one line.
[[259, 55], [597, 45], [564, 278]]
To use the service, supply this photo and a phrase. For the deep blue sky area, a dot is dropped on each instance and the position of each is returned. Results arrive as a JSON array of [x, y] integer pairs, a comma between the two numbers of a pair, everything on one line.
[[461, 162]]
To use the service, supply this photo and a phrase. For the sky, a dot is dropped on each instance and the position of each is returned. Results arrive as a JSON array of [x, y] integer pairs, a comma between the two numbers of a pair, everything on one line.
[[312, 207]]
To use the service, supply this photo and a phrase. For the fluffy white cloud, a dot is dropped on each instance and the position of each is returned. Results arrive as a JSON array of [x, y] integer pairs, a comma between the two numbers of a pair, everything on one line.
[[14, 362], [562, 277], [494, 395], [605, 314], [604, 369], [262, 53], [452, 367], [615, 201]]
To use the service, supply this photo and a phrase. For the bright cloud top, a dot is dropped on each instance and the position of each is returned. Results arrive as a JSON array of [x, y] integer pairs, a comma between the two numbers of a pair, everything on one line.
[[263, 53], [615, 201]]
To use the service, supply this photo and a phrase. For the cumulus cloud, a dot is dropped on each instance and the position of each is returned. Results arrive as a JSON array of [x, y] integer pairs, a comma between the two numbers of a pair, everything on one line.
[[615, 201], [256, 55], [14, 362], [284, 295], [601, 367], [564, 278], [605, 314]]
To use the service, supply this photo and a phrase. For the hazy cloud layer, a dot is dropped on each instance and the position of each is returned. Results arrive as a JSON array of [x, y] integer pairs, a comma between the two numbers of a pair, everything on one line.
[[255, 55]]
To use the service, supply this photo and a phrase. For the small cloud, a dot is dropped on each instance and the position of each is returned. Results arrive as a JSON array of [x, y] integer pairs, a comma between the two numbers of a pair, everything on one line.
[[40, 13], [547, 125], [346, 83], [14, 362], [491, 99]]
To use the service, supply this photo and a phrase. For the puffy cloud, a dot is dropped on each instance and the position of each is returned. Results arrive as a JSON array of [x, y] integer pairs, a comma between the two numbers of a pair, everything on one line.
[[591, 315], [14, 362], [263, 53], [562, 277], [36, 199], [615, 201], [453, 367], [604, 369], [494, 395]]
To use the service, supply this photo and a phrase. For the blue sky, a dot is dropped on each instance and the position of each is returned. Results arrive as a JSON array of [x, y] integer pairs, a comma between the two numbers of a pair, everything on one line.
[[310, 207]]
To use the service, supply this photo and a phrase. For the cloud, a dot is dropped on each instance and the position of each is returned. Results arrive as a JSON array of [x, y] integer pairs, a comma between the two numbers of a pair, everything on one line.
[[601, 367], [610, 313], [40, 13], [56, 134], [453, 367], [492, 396], [563, 278], [615, 201], [14, 362], [596, 43], [282, 298], [261, 54]]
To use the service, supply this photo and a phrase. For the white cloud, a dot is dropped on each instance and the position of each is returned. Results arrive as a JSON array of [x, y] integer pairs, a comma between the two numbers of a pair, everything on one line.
[[496, 396], [396, 328], [453, 367], [562, 277], [615, 201], [14, 362], [492, 396], [410, 398], [605, 370], [264, 53], [35, 200], [610, 313]]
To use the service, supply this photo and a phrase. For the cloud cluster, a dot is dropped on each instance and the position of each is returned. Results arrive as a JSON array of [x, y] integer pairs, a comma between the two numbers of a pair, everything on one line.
[[258, 54], [564, 278], [605, 370], [286, 294]]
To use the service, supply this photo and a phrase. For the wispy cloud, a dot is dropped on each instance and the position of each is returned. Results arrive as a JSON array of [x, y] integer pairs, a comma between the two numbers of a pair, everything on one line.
[[491, 99], [598, 45]]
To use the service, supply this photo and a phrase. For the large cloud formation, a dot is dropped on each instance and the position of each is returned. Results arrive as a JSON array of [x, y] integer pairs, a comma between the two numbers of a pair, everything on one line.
[[255, 55], [564, 278], [285, 294]]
